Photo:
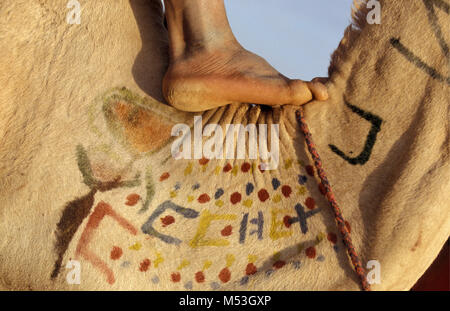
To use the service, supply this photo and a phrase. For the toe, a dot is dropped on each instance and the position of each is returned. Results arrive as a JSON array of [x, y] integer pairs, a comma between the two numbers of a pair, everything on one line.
[[300, 92], [318, 89], [323, 80], [303, 92]]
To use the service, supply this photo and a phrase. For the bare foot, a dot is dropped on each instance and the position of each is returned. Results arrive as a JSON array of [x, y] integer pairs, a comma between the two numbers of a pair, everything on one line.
[[210, 79], [209, 68]]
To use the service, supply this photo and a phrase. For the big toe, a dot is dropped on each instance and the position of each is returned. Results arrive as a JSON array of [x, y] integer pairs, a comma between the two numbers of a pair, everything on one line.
[[318, 89], [303, 92]]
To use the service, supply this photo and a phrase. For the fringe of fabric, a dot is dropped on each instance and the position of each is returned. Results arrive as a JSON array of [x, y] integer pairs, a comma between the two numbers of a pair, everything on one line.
[[352, 32]]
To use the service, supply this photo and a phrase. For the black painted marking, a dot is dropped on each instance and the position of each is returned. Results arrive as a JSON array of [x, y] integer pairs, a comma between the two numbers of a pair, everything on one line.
[[364, 156], [416, 61], [437, 29], [430, 4]]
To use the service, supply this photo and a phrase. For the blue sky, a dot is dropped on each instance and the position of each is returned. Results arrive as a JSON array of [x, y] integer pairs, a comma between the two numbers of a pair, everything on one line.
[[296, 36]]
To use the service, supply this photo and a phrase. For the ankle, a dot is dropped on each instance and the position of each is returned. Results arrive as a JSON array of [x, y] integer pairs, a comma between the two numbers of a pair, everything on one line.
[[196, 25]]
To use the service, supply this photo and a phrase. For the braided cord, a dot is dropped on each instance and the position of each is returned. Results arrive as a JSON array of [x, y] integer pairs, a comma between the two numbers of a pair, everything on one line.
[[340, 221]]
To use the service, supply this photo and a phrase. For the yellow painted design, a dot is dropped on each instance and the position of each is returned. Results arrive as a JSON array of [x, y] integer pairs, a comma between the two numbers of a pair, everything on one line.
[[207, 265], [190, 198], [230, 259], [320, 237], [254, 167], [206, 218], [159, 260], [276, 198], [136, 246], [252, 258], [301, 190], [248, 203], [173, 194], [219, 203], [235, 170], [185, 263], [217, 170], [288, 164], [188, 169], [204, 167], [277, 228]]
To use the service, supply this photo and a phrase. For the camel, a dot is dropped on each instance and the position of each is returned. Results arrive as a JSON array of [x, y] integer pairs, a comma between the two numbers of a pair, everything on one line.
[[88, 181]]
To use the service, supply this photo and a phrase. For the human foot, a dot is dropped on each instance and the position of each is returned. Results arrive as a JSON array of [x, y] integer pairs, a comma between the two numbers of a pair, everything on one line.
[[209, 68], [209, 79]]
